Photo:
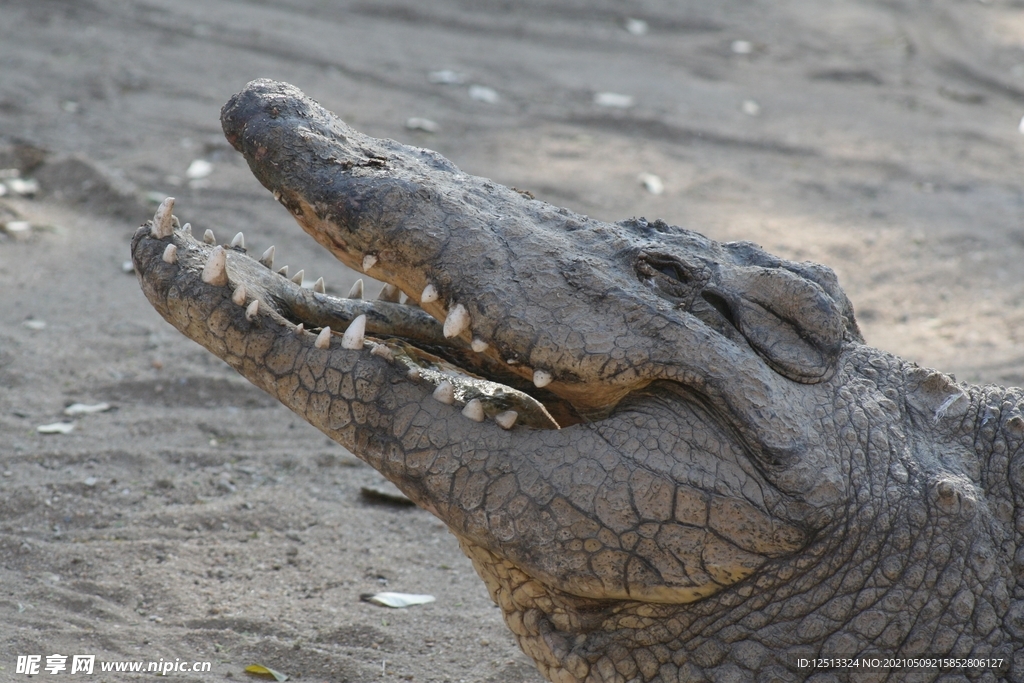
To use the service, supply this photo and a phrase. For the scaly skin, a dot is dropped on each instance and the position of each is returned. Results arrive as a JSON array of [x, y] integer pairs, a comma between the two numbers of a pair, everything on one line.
[[738, 481]]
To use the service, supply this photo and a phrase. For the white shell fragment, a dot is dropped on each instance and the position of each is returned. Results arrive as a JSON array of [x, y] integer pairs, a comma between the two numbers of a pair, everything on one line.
[[506, 419], [86, 409], [357, 290], [478, 345], [399, 600], [741, 47], [252, 309], [238, 241], [445, 393], [56, 428], [369, 261], [238, 296], [323, 340], [614, 100], [417, 123], [297, 278], [429, 294], [457, 321], [215, 272], [481, 93], [170, 254], [353, 337], [198, 169], [389, 293], [319, 287], [268, 257], [541, 378], [162, 225], [638, 27], [474, 410], [651, 183]]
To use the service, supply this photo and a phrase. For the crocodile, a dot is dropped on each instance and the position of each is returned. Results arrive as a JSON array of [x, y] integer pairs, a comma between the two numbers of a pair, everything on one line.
[[668, 458]]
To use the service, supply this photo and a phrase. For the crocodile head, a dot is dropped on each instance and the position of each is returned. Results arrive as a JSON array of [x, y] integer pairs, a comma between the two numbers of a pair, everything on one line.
[[628, 426]]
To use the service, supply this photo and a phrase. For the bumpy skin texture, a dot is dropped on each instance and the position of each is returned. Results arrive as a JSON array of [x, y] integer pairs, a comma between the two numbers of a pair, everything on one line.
[[739, 481]]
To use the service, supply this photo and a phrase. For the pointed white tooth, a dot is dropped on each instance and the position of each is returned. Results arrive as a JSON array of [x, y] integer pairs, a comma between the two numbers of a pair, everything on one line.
[[215, 272], [238, 241], [268, 258], [252, 309], [187, 229], [445, 393], [297, 278], [389, 293], [283, 271], [162, 224], [238, 296], [357, 290], [174, 223], [369, 261], [353, 337], [506, 419], [319, 286], [474, 410], [478, 345], [300, 328], [208, 237], [323, 340], [457, 321], [171, 254], [541, 378], [429, 294]]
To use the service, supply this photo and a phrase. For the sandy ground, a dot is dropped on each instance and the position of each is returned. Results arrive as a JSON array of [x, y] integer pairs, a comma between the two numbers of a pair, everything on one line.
[[197, 520]]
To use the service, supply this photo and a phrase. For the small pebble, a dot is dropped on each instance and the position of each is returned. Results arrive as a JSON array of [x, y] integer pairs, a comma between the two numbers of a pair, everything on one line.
[[416, 123], [26, 187], [35, 324], [91, 481], [638, 27], [446, 77], [56, 428], [18, 228], [651, 183], [199, 169], [751, 108], [741, 47], [614, 100]]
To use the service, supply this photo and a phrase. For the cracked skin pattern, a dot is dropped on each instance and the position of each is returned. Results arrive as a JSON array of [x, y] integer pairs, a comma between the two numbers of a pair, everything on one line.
[[738, 481]]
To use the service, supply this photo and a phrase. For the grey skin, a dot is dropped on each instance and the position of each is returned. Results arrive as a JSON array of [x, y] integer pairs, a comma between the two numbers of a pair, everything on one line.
[[737, 480]]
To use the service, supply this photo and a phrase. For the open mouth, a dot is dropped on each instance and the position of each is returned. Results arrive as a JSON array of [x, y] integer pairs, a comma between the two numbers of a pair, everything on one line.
[[392, 326]]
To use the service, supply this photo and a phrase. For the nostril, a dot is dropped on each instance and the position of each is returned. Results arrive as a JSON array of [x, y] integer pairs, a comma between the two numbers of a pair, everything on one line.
[[721, 305]]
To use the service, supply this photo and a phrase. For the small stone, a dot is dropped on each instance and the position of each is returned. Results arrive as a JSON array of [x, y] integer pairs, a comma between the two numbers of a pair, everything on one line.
[[741, 47], [91, 481], [446, 77], [614, 100], [127, 267], [56, 428], [651, 183], [481, 93], [750, 108], [417, 123], [35, 324], [199, 169], [638, 27]]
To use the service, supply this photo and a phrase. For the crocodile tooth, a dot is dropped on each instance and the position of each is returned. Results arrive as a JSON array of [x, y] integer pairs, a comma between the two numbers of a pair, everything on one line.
[[163, 226], [215, 272], [445, 393], [429, 294], [283, 271], [238, 296], [252, 309], [171, 254], [187, 229], [353, 337], [175, 223], [457, 321], [478, 345], [474, 410], [323, 340], [300, 328], [208, 237], [319, 286], [357, 290], [369, 261], [268, 257], [541, 378], [297, 278], [383, 351], [506, 419], [238, 241], [389, 293]]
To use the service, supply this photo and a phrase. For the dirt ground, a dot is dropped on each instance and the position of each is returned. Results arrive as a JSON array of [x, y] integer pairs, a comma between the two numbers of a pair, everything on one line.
[[198, 520]]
